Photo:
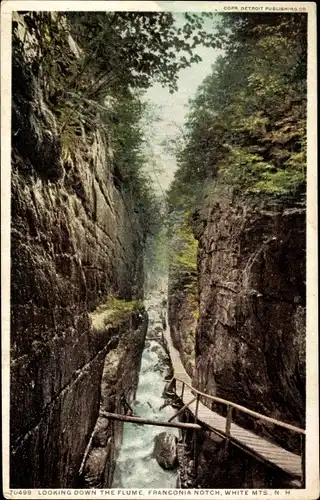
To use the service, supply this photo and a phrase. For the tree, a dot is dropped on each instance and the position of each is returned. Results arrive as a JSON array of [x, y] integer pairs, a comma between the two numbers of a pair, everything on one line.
[[44, 48], [246, 126], [126, 50]]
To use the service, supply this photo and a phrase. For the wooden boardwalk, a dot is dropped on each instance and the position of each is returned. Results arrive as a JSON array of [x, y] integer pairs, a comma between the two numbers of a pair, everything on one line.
[[256, 445]]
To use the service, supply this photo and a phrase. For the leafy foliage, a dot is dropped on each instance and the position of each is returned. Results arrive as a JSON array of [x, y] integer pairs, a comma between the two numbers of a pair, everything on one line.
[[187, 256], [158, 255], [120, 51], [134, 49], [93, 67], [246, 126], [113, 311], [42, 42], [184, 246]]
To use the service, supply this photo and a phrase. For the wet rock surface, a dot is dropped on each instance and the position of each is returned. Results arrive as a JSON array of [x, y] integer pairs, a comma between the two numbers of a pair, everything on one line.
[[249, 341], [118, 387], [222, 466], [250, 338], [182, 315], [187, 471], [74, 241], [165, 450]]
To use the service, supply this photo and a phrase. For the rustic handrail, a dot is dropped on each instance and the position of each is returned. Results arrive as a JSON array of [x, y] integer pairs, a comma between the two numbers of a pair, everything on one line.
[[182, 409], [243, 408], [149, 421]]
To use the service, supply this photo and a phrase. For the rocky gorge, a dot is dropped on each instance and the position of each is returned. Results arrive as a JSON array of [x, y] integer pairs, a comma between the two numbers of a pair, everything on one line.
[[76, 243], [244, 322], [109, 276]]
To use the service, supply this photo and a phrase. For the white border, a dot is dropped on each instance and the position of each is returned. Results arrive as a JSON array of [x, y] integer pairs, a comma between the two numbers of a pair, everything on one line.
[[312, 426]]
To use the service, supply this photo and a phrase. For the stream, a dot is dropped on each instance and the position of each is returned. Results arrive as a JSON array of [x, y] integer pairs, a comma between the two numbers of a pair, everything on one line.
[[136, 467]]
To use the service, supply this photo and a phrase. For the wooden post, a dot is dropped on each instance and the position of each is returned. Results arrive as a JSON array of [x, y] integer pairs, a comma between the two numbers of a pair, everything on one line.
[[182, 391], [197, 406], [228, 421], [303, 459], [194, 450], [185, 432], [181, 410], [194, 437], [228, 427], [171, 386], [192, 443]]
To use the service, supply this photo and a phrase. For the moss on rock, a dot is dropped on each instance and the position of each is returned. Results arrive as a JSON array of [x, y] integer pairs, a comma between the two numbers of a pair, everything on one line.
[[113, 311]]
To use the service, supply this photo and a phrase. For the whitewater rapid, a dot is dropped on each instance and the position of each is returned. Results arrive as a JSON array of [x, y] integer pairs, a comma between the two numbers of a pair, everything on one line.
[[135, 465]]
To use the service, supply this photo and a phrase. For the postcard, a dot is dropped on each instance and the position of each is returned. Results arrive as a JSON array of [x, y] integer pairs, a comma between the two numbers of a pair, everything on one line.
[[159, 250]]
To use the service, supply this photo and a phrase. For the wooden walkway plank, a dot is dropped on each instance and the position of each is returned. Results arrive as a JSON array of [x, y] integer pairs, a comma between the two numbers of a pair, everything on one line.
[[245, 439]]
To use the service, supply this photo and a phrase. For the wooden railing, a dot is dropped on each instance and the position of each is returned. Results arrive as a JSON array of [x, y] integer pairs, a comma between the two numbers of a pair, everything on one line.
[[230, 406]]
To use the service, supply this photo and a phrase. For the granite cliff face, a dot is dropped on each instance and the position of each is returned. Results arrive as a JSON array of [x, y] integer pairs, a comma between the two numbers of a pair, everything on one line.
[[250, 334], [182, 315], [75, 242], [250, 341]]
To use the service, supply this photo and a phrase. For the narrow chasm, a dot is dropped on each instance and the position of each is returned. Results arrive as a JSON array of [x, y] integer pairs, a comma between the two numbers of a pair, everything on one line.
[[158, 250], [138, 461]]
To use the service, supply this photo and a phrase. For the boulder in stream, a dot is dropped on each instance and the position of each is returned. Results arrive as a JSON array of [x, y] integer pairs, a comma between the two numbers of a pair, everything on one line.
[[165, 450]]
